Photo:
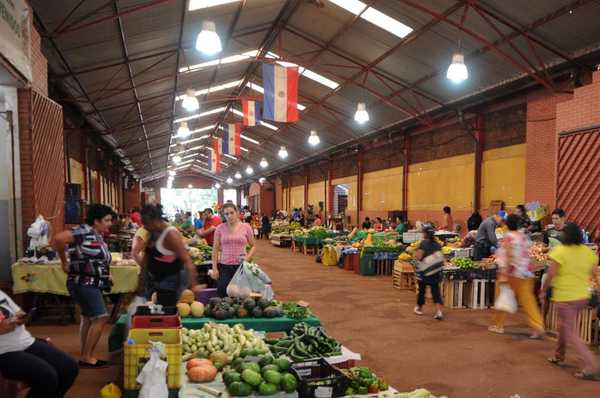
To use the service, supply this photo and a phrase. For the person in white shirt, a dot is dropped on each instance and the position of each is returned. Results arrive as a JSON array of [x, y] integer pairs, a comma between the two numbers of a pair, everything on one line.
[[47, 370]]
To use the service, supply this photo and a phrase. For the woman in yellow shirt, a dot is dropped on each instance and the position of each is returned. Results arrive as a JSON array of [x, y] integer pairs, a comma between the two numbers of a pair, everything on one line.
[[569, 275]]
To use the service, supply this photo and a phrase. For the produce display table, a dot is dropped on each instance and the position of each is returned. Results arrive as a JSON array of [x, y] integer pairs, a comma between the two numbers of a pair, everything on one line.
[[279, 324], [281, 240]]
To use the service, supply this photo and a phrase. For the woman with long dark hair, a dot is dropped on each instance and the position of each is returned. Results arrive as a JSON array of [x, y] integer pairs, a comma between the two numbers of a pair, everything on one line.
[[229, 249], [572, 267], [429, 271]]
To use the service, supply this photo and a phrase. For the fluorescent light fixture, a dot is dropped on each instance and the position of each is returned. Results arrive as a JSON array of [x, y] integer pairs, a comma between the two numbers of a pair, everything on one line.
[[172, 173], [244, 149], [199, 115], [189, 149], [183, 131], [200, 4], [229, 156], [249, 170], [361, 115], [224, 164], [229, 180], [313, 138], [190, 102], [208, 41], [217, 185], [262, 180], [213, 89], [176, 159], [263, 163], [244, 137], [225, 60], [237, 175], [374, 16], [261, 90], [192, 140], [457, 71], [283, 153]]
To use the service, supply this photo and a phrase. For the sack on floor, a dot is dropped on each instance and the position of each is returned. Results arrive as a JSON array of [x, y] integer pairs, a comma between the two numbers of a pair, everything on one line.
[[249, 278], [110, 391], [506, 300]]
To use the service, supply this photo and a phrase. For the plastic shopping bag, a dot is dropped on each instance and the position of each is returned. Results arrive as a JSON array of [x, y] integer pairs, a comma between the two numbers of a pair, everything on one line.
[[110, 391], [248, 279], [153, 376], [506, 300]]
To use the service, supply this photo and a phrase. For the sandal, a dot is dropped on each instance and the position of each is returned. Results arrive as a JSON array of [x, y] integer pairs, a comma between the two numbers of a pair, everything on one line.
[[556, 361], [587, 376], [496, 329], [99, 364]]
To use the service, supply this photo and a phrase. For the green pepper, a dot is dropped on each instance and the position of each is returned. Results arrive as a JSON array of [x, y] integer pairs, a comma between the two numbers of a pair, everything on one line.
[[363, 390]]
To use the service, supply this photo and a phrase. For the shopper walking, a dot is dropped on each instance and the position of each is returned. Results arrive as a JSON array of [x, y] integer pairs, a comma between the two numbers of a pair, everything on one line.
[[569, 275], [266, 226], [165, 256], [88, 269], [429, 271], [516, 270], [229, 250], [48, 371]]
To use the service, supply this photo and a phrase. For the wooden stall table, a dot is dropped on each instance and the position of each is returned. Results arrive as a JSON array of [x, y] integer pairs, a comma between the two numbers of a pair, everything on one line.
[[49, 279]]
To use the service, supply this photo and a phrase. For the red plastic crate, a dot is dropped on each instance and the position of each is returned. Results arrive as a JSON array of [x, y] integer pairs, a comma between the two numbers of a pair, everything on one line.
[[156, 321]]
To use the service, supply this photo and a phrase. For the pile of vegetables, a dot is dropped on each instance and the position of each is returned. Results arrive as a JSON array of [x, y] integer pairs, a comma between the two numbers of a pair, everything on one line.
[[305, 342], [228, 342], [420, 393], [228, 307], [295, 311], [462, 262], [201, 370], [319, 233], [268, 376], [364, 381]]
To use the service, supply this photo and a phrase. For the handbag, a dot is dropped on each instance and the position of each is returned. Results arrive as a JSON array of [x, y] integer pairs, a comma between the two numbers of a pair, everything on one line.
[[506, 300]]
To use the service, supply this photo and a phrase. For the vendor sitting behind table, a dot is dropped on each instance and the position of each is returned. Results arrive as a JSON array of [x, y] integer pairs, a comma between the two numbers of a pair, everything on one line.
[[47, 370], [555, 231], [486, 241]]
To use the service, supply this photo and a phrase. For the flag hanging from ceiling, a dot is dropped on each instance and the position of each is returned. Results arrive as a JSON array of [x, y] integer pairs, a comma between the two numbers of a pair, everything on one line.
[[214, 156], [231, 139], [281, 93], [251, 110]]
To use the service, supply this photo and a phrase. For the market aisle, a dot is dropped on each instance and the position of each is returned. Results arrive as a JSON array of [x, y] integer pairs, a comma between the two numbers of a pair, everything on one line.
[[458, 357]]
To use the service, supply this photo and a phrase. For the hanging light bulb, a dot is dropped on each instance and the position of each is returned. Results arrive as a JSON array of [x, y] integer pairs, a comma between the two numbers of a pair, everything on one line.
[[263, 163], [249, 170], [283, 153], [313, 138], [237, 175], [229, 180], [457, 71], [183, 131], [176, 159], [208, 40], [172, 173], [218, 186], [190, 102], [262, 180], [361, 115]]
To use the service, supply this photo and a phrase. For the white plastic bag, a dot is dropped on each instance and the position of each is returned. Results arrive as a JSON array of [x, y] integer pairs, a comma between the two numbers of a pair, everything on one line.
[[38, 232], [506, 300], [249, 278], [153, 376]]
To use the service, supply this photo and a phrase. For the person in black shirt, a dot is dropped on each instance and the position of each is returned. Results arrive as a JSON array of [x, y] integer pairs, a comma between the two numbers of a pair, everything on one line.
[[474, 221], [266, 226], [429, 271], [367, 223], [524, 220]]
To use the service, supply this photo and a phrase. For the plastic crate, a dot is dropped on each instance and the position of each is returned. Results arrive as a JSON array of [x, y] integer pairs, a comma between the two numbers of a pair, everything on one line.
[[156, 321], [205, 295], [136, 355], [319, 373], [145, 310]]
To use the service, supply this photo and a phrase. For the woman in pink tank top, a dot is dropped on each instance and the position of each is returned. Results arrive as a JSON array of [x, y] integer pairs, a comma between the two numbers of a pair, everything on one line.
[[229, 248]]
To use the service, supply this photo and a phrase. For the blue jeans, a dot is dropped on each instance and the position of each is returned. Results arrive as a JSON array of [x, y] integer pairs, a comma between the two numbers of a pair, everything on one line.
[[89, 298], [175, 283]]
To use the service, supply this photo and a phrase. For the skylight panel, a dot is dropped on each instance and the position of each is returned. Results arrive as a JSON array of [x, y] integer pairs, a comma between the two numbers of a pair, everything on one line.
[[213, 89], [201, 4], [199, 115], [375, 16]]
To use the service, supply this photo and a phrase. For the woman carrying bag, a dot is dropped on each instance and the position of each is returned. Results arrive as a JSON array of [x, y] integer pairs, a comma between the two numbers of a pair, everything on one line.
[[229, 249], [429, 271]]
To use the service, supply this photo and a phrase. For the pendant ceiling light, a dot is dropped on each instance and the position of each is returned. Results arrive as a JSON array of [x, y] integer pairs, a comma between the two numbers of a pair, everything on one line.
[[229, 180], [262, 180], [208, 41], [183, 131], [249, 170], [313, 138], [263, 163], [218, 186], [361, 115], [457, 71], [176, 159], [190, 102], [237, 175], [283, 153]]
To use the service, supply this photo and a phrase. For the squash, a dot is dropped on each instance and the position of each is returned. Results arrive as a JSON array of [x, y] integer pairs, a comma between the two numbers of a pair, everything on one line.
[[219, 356], [194, 362], [197, 309], [183, 309], [202, 374], [187, 296]]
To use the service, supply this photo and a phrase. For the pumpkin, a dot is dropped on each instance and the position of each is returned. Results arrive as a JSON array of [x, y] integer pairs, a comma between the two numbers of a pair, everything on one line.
[[183, 309], [187, 296], [194, 362], [202, 374], [197, 309]]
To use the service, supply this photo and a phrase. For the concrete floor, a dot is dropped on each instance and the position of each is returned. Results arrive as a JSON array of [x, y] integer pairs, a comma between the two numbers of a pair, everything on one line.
[[457, 357]]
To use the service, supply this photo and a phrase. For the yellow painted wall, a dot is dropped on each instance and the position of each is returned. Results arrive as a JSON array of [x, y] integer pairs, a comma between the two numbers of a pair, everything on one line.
[[284, 200], [503, 176], [435, 184], [350, 181], [382, 190], [316, 194], [76, 172], [297, 197]]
